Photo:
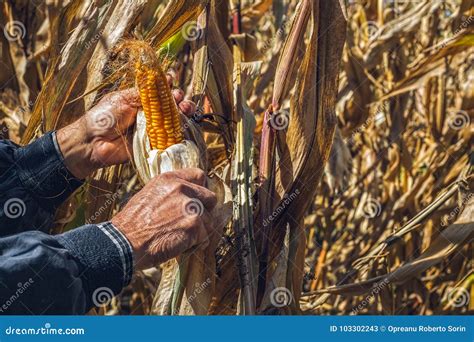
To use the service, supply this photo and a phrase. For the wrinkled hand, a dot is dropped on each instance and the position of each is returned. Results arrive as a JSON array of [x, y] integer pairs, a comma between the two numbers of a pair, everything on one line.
[[168, 216], [103, 136]]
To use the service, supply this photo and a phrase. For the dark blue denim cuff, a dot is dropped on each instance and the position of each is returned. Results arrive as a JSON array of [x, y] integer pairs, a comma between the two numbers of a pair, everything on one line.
[[106, 257]]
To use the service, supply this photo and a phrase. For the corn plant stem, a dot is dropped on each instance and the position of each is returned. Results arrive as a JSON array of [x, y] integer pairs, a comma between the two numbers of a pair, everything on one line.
[[266, 167], [241, 189], [243, 219], [179, 282], [236, 18], [268, 141]]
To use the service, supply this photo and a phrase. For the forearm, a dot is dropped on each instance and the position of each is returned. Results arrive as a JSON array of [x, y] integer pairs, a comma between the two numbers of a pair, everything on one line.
[[75, 146], [38, 177], [65, 274]]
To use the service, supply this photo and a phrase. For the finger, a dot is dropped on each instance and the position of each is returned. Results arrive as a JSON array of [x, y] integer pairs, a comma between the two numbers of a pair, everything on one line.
[[130, 96], [203, 236], [200, 198], [126, 104], [187, 107], [116, 151], [128, 118], [192, 234], [178, 95], [173, 244], [193, 175], [171, 76]]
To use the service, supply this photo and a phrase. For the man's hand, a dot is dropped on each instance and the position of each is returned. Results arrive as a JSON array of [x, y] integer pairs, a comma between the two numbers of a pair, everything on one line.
[[168, 216], [103, 136]]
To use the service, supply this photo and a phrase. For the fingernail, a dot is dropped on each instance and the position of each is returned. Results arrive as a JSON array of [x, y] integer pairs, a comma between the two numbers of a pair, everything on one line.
[[178, 95], [187, 107], [171, 76]]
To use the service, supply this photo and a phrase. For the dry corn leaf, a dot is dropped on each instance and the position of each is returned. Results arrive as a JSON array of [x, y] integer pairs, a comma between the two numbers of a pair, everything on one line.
[[173, 18], [64, 71]]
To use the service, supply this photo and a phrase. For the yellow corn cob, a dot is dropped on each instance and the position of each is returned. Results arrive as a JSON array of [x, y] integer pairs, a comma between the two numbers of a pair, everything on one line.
[[163, 123]]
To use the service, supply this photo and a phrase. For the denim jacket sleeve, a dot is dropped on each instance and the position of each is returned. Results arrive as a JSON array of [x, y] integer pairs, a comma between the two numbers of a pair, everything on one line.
[[42, 274], [33, 182], [63, 274]]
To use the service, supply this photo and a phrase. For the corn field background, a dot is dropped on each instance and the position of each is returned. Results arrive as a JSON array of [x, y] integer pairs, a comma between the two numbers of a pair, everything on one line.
[[343, 129]]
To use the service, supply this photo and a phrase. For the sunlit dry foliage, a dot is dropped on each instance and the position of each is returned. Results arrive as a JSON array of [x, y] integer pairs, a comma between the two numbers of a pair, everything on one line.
[[343, 130]]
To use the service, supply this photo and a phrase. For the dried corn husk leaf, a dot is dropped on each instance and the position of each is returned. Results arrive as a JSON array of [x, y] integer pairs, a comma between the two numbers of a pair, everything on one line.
[[175, 15], [312, 119], [67, 67], [450, 240]]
